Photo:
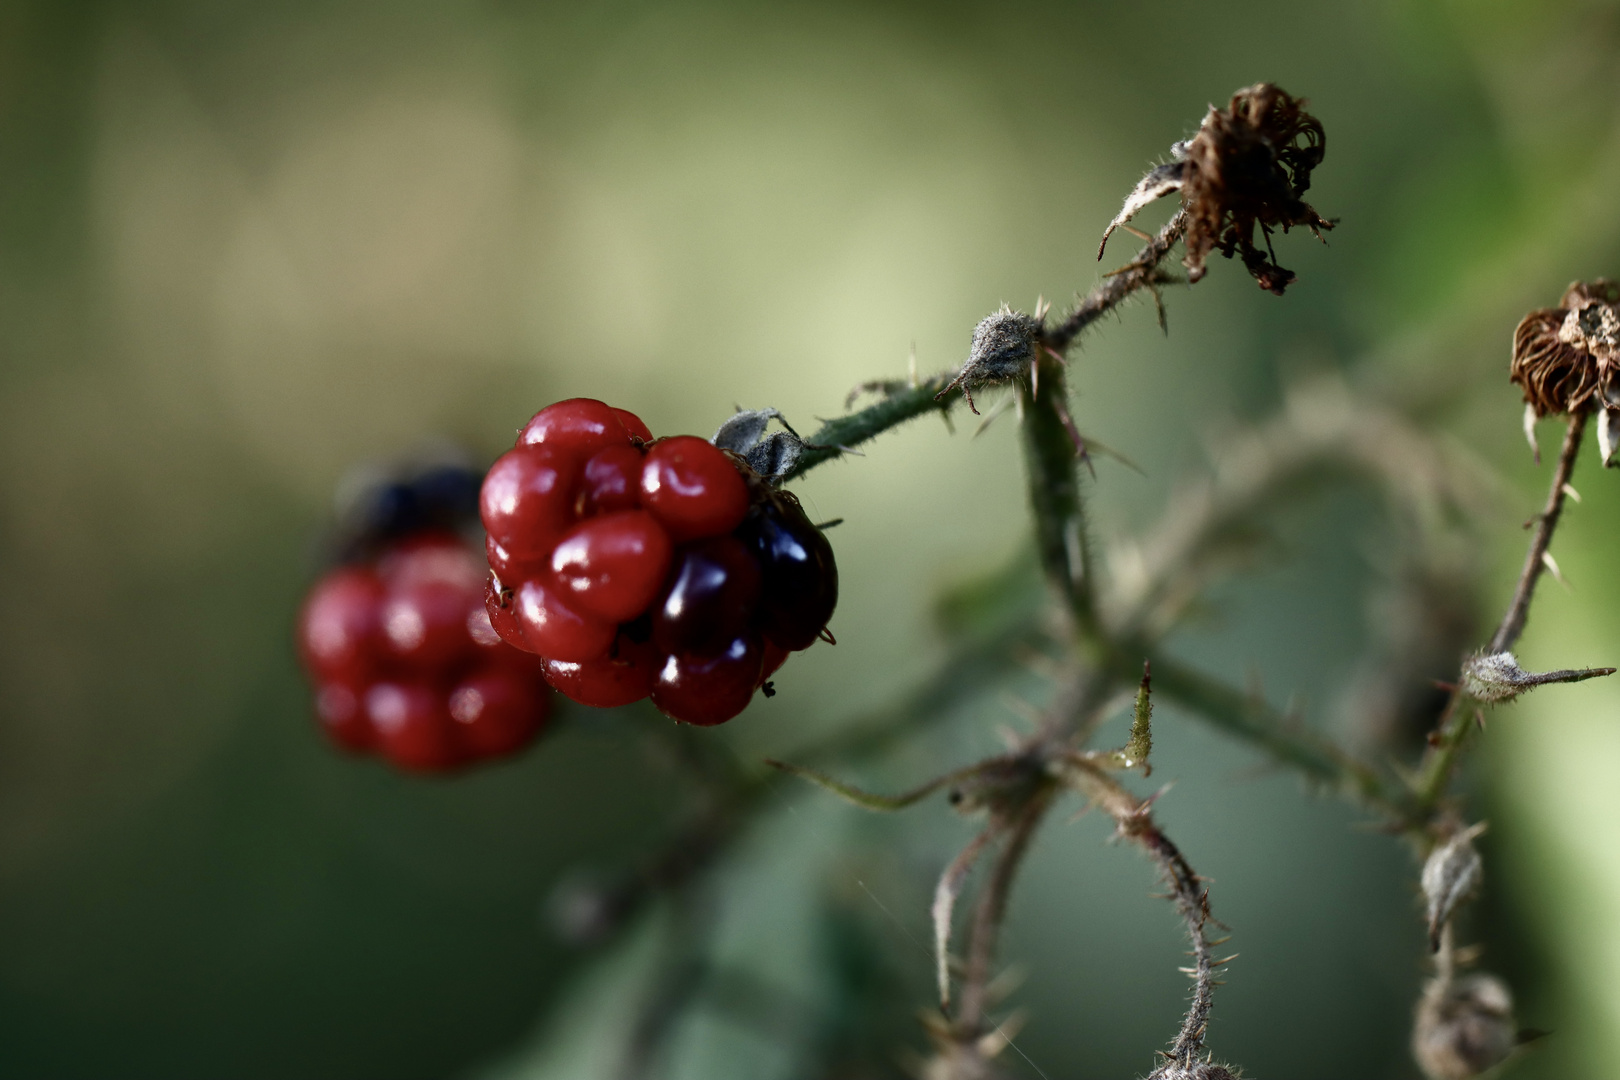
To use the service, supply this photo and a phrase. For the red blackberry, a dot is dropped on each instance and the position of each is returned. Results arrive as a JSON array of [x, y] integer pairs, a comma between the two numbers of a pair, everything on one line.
[[400, 644], [639, 567]]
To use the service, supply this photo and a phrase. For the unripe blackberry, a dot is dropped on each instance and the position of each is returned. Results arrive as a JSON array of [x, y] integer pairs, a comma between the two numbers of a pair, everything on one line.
[[406, 658], [641, 567]]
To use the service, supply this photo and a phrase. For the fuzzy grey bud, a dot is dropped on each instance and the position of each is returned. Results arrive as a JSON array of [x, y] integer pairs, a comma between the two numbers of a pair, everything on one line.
[[1464, 1027], [1003, 350], [1450, 876], [1203, 1070], [1496, 677], [1003, 345]]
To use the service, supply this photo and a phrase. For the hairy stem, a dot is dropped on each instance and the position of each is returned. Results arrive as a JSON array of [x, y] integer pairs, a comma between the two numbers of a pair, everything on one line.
[[1192, 904], [1052, 462], [1535, 560], [1053, 447], [1141, 272], [1455, 722], [907, 401], [844, 433], [1135, 822]]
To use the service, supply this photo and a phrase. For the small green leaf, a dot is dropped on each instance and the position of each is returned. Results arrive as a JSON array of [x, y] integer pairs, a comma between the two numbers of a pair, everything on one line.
[[1140, 744]]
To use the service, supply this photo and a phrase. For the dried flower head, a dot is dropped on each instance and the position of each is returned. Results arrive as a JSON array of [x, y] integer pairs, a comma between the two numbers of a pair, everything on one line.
[[1464, 1027], [1564, 358], [1247, 167]]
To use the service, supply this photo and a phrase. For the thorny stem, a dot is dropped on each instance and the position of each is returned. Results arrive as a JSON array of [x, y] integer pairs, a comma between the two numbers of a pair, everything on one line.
[[907, 401], [991, 910], [1457, 718], [1052, 461], [1141, 272], [1052, 446], [1135, 821], [900, 403], [1192, 904], [1507, 634]]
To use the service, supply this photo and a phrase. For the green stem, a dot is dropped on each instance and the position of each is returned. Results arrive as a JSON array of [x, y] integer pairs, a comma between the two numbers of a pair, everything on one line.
[[1052, 460], [899, 404], [902, 401]]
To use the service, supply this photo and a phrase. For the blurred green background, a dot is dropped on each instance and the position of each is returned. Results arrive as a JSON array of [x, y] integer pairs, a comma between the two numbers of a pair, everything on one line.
[[244, 247]]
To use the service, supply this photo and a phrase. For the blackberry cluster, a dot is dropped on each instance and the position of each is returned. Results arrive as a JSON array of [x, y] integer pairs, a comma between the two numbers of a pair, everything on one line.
[[397, 641], [641, 567]]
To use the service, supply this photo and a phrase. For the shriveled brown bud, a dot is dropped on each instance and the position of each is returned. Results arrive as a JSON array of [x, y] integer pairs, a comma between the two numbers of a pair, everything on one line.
[[1464, 1027], [1003, 350], [1564, 358], [1450, 876], [1247, 167]]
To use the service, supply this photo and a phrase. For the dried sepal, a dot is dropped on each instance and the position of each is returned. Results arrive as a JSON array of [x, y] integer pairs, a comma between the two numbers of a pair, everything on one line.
[[1464, 1027], [946, 890], [1159, 182], [772, 456], [1451, 875], [1493, 678], [1530, 419], [1003, 350], [1608, 435], [1247, 168], [1564, 358]]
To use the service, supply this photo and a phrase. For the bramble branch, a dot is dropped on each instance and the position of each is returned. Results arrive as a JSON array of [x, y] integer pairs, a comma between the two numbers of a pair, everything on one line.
[[1535, 560], [901, 402], [1142, 272], [836, 437], [1457, 718]]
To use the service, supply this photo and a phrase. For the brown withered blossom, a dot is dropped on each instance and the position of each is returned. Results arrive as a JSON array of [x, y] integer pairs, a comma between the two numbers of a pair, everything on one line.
[[1247, 168], [1564, 357]]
